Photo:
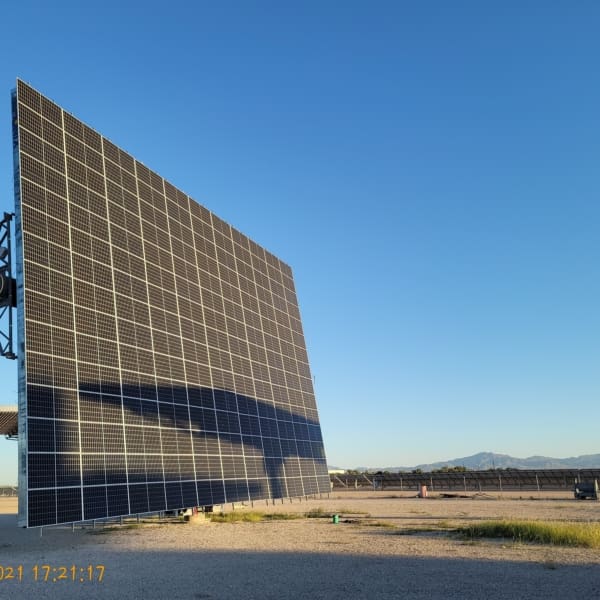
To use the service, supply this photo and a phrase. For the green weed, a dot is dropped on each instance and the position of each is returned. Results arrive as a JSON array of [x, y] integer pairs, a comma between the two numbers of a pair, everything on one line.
[[585, 535]]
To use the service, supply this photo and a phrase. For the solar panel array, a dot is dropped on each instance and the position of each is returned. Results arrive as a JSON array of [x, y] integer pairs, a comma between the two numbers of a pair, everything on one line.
[[164, 364], [500, 479]]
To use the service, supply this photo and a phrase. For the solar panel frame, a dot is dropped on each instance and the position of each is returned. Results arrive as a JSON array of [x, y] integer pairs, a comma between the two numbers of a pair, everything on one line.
[[162, 360]]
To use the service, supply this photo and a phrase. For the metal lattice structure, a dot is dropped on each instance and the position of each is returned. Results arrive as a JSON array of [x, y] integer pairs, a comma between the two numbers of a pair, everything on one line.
[[9, 421], [8, 291]]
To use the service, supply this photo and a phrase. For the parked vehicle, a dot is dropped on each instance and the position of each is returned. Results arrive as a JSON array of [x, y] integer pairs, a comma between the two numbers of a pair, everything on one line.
[[586, 489]]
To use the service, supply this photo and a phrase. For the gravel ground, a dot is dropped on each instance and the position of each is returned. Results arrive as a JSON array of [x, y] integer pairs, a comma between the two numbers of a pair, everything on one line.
[[313, 558]]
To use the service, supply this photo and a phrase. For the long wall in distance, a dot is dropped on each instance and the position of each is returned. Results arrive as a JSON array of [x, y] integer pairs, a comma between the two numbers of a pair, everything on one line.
[[162, 362]]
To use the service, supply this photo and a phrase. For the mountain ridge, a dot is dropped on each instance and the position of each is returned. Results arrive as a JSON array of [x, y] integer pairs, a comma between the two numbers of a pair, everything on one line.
[[492, 460]]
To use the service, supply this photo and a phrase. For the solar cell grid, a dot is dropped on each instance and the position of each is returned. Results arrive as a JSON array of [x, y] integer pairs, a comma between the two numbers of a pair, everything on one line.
[[164, 364]]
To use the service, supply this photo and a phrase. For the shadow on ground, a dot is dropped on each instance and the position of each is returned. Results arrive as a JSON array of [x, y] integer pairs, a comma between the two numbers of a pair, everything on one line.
[[224, 575]]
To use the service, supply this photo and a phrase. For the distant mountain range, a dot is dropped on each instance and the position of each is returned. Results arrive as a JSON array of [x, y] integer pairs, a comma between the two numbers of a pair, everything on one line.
[[490, 460]]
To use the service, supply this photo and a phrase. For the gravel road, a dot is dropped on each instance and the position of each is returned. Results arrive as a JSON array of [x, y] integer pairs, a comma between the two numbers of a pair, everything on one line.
[[310, 558]]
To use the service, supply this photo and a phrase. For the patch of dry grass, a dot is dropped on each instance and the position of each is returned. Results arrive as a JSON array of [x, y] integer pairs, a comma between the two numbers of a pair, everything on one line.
[[251, 517], [586, 535]]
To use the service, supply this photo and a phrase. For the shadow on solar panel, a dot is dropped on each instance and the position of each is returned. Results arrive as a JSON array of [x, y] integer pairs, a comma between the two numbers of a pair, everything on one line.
[[141, 456], [163, 363]]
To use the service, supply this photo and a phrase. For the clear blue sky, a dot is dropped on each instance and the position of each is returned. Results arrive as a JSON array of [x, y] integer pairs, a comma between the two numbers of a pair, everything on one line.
[[430, 170]]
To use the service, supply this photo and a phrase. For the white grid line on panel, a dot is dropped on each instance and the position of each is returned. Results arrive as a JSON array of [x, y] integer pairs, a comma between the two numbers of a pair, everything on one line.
[[202, 308], [153, 350], [182, 354], [74, 321], [117, 340], [254, 394]]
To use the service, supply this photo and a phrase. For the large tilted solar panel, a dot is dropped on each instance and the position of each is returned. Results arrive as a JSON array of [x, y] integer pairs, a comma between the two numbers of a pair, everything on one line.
[[162, 362]]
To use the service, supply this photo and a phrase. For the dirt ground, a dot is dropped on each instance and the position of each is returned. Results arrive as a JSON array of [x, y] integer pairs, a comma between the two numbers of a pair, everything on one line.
[[363, 556]]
